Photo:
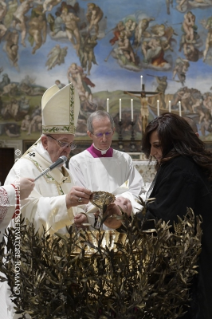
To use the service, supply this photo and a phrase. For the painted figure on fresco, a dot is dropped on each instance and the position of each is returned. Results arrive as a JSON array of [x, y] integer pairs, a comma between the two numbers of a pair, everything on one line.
[[82, 83], [36, 123], [125, 53], [189, 26], [86, 52], [11, 110], [207, 102], [32, 124], [181, 5], [206, 125], [192, 102], [161, 89], [130, 27], [49, 4], [197, 108], [72, 29], [19, 18], [56, 56], [56, 24], [191, 52], [141, 28], [94, 15], [25, 123], [125, 49], [12, 130], [116, 31], [185, 5], [37, 28], [180, 69], [59, 84], [3, 11], [190, 39], [11, 8], [11, 47], [208, 43], [152, 50]]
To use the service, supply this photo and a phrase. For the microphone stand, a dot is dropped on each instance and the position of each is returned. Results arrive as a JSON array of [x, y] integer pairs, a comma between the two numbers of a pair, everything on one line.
[[43, 173]]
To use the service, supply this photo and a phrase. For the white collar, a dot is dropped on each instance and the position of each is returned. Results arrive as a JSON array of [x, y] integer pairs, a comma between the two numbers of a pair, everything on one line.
[[103, 152]]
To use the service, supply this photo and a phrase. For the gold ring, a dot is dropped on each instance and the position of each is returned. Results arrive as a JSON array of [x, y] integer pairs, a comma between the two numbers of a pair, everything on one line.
[[79, 200]]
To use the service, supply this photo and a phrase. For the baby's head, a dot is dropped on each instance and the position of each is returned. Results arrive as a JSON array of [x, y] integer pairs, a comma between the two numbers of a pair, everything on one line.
[[124, 204], [120, 205]]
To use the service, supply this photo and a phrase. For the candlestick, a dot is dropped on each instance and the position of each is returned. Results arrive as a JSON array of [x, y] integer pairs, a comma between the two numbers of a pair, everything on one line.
[[132, 140], [169, 106], [119, 109], [180, 111], [141, 81], [107, 105], [120, 143], [158, 108], [132, 110]]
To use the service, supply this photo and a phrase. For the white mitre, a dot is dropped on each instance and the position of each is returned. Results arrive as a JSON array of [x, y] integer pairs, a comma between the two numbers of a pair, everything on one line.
[[60, 110]]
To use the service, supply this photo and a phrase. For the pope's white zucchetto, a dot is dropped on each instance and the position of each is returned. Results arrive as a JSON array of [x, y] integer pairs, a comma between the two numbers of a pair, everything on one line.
[[60, 110]]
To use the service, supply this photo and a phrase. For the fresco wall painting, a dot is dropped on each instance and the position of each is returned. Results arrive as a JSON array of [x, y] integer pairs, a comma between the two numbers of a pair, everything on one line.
[[107, 49]]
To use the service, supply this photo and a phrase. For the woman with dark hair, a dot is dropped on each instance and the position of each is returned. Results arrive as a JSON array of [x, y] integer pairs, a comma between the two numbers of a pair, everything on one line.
[[183, 180]]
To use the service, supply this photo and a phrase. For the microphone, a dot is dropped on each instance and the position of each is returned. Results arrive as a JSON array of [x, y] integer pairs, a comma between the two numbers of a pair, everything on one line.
[[61, 160]]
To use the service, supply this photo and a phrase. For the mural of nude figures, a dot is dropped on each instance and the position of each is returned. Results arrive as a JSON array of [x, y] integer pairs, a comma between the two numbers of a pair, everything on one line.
[[103, 48]]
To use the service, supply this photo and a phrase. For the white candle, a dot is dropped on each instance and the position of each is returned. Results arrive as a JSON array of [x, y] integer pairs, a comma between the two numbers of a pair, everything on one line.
[[107, 105], [141, 81], [132, 110], [119, 109], [170, 106], [180, 112], [158, 108]]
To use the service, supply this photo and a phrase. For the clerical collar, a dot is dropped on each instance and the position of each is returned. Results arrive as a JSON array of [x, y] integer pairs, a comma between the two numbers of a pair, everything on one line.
[[95, 152]]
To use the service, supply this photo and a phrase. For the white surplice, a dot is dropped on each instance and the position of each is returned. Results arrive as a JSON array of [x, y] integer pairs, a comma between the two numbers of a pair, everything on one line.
[[107, 174]]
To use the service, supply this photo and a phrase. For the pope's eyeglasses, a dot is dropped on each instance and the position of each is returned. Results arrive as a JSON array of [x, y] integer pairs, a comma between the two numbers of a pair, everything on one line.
[[100, 135], [64, 144]]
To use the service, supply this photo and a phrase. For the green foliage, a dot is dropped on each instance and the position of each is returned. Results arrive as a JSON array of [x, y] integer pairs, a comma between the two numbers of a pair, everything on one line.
[[96, 274]]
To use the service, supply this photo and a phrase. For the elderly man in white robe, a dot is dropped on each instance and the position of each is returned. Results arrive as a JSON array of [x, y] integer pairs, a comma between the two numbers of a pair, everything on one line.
[[102, 168], [55, 200]]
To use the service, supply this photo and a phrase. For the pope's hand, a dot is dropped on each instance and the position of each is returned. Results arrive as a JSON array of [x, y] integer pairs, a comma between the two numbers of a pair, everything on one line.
[[26, 186], [77, 196]]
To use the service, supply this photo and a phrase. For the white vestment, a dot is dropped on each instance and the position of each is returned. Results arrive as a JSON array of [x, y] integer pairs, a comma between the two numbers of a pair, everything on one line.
[[107, 174], [46, 205]]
